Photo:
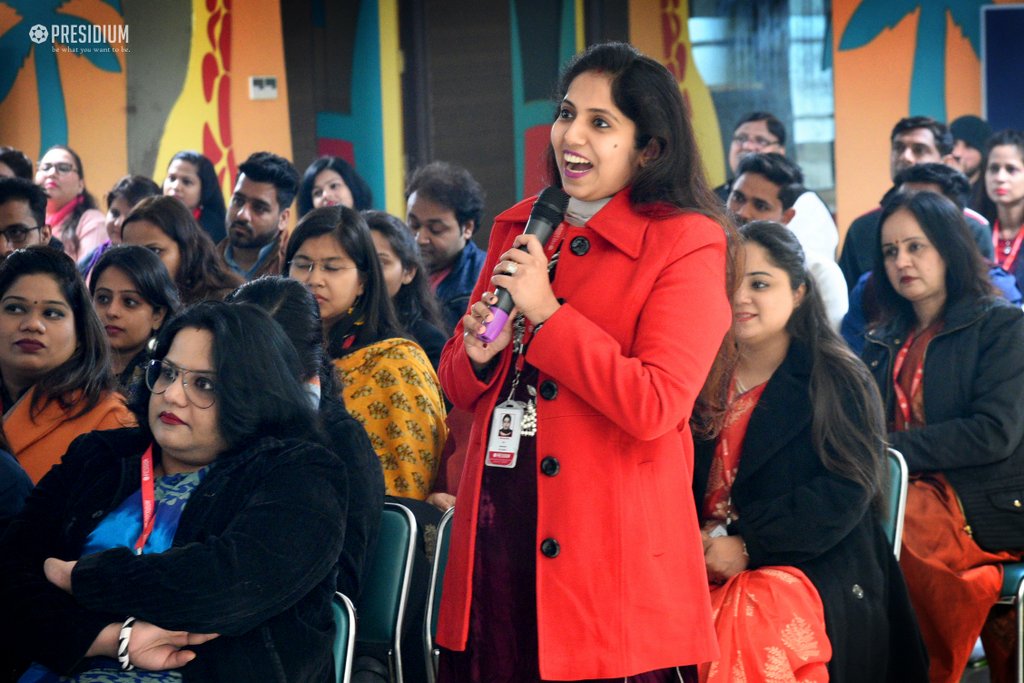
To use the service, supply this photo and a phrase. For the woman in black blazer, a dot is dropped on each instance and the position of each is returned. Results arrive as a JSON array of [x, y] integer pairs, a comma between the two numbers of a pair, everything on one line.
[[948, 356], [803, 578]]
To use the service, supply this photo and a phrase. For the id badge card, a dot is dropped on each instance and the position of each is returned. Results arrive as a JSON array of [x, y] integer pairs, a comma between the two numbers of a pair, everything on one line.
[[506, 428]]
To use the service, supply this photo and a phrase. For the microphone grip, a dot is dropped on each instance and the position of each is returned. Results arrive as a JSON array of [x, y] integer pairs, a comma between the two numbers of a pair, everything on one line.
[[500, 309]]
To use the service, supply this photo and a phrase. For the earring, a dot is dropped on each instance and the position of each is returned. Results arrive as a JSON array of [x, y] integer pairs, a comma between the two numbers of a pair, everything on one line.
[[151, 344]]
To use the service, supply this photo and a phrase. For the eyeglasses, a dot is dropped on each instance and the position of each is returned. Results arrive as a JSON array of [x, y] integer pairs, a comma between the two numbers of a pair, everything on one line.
[[200, 391], [757, 140], [63, 167], [17, 234], [306, 265]]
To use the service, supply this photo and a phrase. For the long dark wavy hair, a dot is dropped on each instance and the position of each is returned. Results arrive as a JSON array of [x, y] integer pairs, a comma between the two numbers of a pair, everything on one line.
[[362, 195], [201, 274], [944, 225], [848, 420], [415, 300], [672, 180], [88, 369], [69, 233], [212, 210], [373, 316], [258, 390]]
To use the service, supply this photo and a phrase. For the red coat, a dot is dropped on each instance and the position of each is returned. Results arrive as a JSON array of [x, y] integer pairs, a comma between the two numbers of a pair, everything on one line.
[[644, 312]]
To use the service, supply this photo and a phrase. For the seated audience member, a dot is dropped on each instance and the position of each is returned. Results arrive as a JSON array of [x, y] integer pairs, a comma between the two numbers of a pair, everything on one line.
[[1004, 185], [953, 185], [230, 576], [804, 583], [15, 484], [134, 296], [914, 140], [295, 309], [948, 357], [14, 164], [387, 381], [766, 188], [71, 210], [970, 137], [331, 181], [54, 360], [760, 132], [126, 193], [402, 267], [165, 227], [192, 180], [258, 215], [970, 133], [22, 215], [444, 205]]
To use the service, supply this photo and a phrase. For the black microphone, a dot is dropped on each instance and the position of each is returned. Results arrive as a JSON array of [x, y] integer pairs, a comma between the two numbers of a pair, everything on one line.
[[548, 211]]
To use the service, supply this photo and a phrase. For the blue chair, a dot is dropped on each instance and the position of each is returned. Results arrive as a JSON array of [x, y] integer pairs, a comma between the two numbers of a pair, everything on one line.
[[383, 598], [893, 522], [344, 637], [444, 530], [1013, 594]]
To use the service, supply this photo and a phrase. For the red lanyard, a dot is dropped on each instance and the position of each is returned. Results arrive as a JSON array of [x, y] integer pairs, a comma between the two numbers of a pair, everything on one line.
[[148, 500], [902, 400], [1011, 258]]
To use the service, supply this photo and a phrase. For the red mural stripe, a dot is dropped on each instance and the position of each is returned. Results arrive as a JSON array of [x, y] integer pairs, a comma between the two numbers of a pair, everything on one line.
[[225, 42], [209, 75], [224, 109], [210, 4], [210, 147], [211, 29]]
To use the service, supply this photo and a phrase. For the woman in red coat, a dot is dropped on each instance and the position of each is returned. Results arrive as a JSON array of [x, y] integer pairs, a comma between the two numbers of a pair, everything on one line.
[[576, 553]]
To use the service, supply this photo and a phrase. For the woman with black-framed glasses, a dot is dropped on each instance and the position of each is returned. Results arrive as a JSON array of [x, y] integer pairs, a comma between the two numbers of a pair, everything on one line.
[[388, 383], [71, 210], [204, 545]]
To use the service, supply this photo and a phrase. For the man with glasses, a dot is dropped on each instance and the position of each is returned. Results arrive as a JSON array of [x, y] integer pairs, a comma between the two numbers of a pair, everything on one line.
[[22, 215], [760, 132], [914, 140]]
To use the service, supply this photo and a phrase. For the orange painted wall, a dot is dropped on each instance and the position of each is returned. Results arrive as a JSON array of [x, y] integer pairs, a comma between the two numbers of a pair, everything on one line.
[[872, 86]]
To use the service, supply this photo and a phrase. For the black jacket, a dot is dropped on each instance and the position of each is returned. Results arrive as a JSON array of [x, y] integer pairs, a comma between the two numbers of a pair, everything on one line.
[[974, 406], [795, 512], [253, 559]]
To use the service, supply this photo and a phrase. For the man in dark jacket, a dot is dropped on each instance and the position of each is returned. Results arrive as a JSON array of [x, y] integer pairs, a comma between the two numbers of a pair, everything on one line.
[[444, 203]]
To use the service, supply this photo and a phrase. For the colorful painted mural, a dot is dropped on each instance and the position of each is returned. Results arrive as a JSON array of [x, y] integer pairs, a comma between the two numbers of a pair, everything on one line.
[[187, 85], [368, 132], [896, 58], [536, 61], [660, 29]]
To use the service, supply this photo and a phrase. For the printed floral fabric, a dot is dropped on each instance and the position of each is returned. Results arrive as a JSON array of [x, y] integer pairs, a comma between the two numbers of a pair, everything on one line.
[[391, 388], [770, 624]]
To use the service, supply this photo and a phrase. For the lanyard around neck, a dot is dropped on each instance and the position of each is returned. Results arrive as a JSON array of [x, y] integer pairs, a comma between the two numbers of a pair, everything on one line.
[[148, 500]]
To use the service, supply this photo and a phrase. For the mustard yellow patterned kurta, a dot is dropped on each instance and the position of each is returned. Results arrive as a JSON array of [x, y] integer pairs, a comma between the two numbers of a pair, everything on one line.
[[391, 388]]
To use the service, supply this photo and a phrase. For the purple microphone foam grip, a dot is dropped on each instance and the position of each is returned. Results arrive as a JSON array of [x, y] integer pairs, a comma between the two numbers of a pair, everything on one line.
[[495, 326]]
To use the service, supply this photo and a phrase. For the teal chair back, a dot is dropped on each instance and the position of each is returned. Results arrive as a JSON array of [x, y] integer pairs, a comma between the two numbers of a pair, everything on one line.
[[383, 596], [344, 637], [444, 533], [893, 522]]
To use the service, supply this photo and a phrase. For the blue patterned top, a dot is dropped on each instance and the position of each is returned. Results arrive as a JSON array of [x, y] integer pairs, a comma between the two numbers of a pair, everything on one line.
[[120, 529]]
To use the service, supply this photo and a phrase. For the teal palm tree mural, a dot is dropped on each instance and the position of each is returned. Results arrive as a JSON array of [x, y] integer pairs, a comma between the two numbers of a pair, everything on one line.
[[16, 46], [928, 83]]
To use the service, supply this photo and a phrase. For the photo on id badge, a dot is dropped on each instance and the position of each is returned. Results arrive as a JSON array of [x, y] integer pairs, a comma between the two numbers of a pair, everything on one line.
[[503, 442]]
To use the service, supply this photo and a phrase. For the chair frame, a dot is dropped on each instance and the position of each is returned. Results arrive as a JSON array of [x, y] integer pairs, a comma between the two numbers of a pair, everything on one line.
[[395, 644], [1015, 598], [901, 507], [343, 669], [436, 583]]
